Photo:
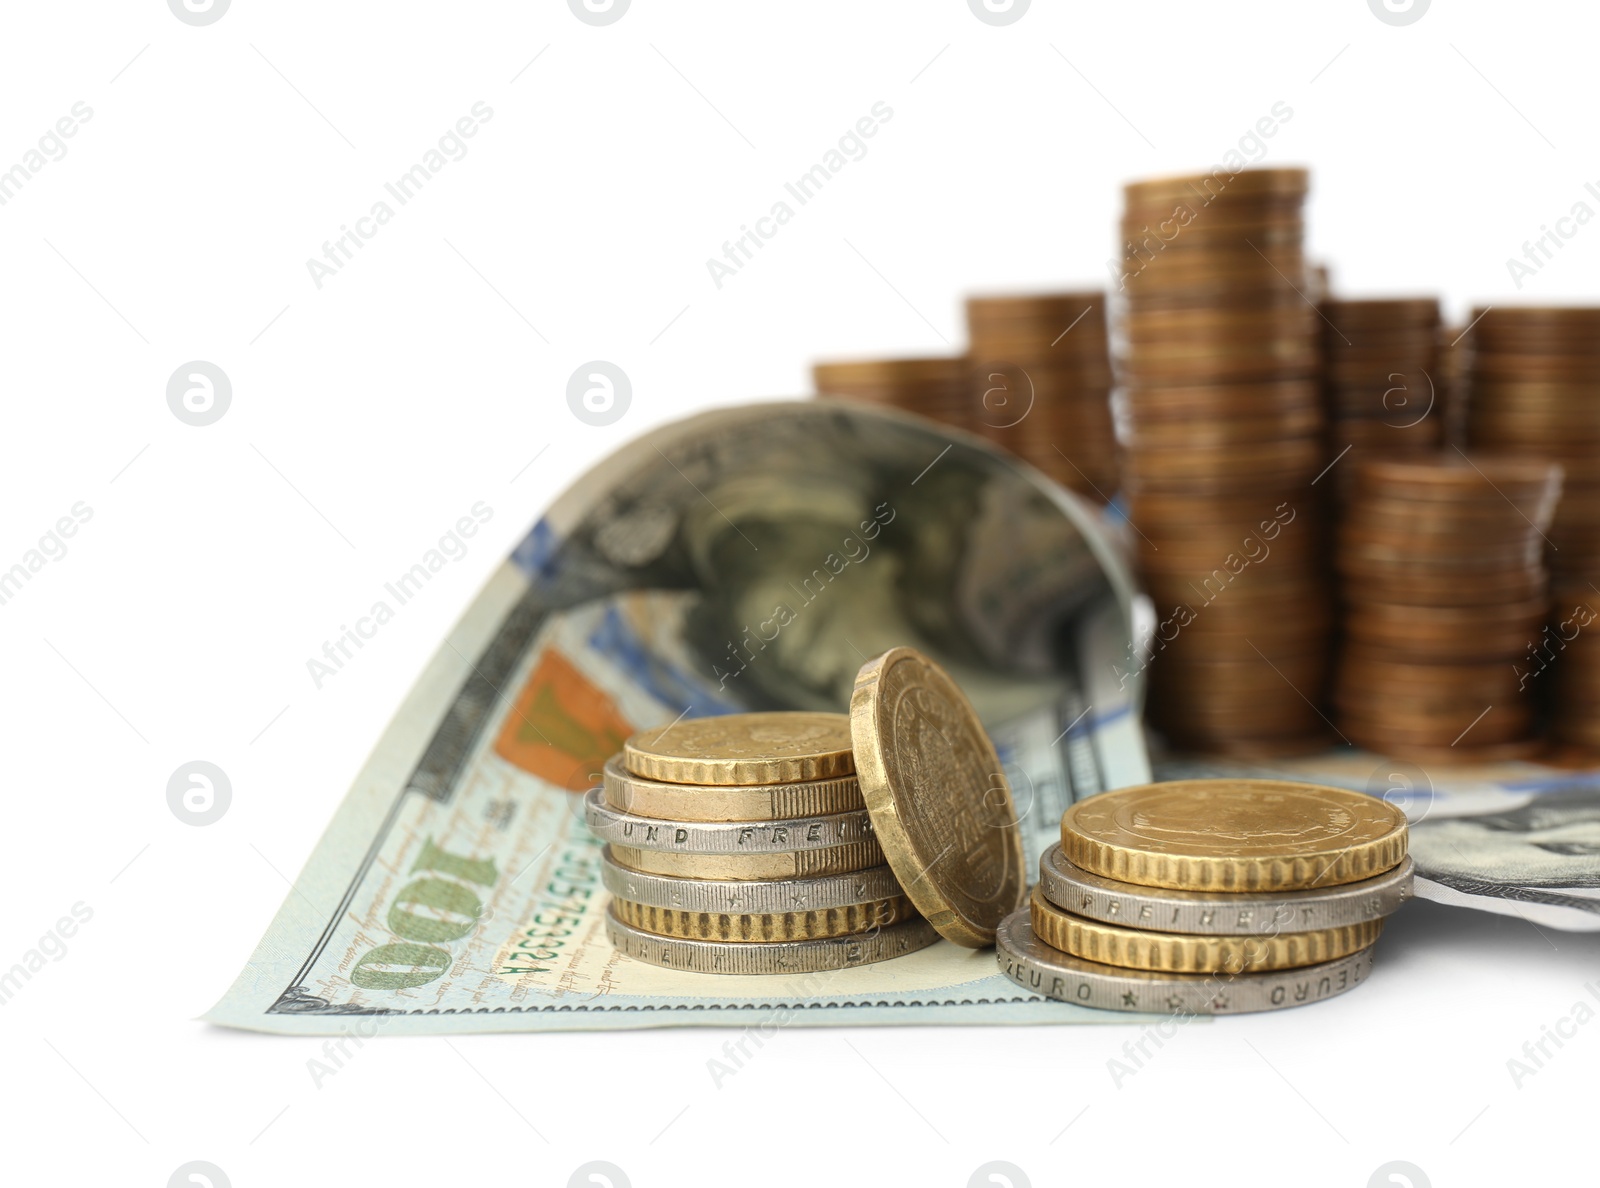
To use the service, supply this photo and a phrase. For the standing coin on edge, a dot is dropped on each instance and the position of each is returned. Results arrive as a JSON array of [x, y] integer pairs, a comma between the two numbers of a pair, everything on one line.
[[939, 799], [1233, 835], [762, 748]]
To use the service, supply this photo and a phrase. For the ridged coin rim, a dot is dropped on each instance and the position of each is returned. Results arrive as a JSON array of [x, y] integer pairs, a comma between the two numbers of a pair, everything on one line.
[[1036, 967], [1221, 913]]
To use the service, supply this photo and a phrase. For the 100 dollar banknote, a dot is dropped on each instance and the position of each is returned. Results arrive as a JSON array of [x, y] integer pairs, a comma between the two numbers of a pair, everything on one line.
[[745, 559]]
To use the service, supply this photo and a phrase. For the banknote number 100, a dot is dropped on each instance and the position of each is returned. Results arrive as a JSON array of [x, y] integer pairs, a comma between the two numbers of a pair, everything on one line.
[[450, 911]]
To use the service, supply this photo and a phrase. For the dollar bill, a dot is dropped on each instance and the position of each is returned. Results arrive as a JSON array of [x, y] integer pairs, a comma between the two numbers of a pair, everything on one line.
[[1519, 839], [745, 559]]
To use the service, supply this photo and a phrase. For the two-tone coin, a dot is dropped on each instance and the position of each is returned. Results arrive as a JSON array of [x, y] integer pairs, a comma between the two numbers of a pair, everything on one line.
[[723, 837], [1038, 967], [1221, 913]]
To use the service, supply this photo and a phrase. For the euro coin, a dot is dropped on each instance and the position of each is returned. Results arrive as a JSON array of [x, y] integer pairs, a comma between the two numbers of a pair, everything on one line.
[[1234, 835], [629, 793], [940, 802], [794, 864], [1171, 952], [764, 927], [757, 748], [776, 957], [1220, 913], [751, 896], [723, 837], [1037, 967]]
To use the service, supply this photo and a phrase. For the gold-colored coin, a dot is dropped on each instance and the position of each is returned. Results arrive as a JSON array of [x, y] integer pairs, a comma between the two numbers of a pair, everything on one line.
[[727, 802], [940, 803], [1233, 835], [1173, 952], [774, 926], [797, 864], [763, 748]]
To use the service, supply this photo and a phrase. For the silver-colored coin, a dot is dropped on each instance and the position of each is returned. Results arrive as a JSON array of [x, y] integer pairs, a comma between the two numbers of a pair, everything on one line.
[[770, 957], [1035, 966], [723, 837], [749, 897], [1220, 913]]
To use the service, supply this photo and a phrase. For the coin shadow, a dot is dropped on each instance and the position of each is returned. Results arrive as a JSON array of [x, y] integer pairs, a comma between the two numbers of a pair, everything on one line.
[[1423, 932]]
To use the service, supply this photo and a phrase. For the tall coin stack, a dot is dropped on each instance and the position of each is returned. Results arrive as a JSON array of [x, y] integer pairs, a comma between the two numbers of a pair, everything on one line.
[[1532, 378], [1210, 897], [1041, 381], [1382, 381], [1445, 591], [935, 387], [741, 844], [1219, 414]]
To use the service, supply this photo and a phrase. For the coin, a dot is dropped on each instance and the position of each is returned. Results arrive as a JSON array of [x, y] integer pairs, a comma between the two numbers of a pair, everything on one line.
[[1202, 913], [792, 864], [727, 802], [764, 927], [759, 748], [723, 837], [1234, 835], [1135, 948], [776, 957], [1040, 381], [1219, 412], [939, 798], [751, 897], [1035, 966], [938, 388]]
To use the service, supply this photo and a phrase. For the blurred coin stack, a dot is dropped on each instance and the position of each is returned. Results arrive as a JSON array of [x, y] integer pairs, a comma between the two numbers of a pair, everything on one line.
[[936, 387], [1210, 897], [1381, 378], [1532, 376], [1041, 379], [741, 844], [1444, 590], [1219, 413]]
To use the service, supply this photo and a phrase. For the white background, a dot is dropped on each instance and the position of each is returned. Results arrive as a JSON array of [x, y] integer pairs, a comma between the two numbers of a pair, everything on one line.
[[369, 414]]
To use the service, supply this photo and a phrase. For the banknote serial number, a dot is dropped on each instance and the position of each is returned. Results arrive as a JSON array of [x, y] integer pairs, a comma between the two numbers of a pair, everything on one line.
[[563, 901]]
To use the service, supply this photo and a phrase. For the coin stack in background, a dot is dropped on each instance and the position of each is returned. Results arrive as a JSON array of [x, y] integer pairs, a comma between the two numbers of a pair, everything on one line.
[[1219, 414], [935, 387], [1040, 379], [1532, 377], [1210, 897], [1381, 361], [1444, 588], [741, 844]]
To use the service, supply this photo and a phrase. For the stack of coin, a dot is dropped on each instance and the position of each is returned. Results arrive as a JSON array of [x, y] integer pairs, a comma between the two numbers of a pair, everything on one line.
[[1381, 381], [1444, 590], [1210, 897], [756, 843], [1219, 413], [742, 844], [1041, 383], [1532, 375], [935, 387]]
